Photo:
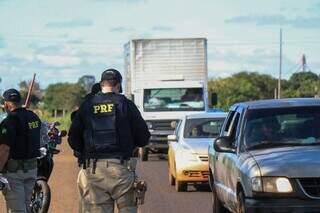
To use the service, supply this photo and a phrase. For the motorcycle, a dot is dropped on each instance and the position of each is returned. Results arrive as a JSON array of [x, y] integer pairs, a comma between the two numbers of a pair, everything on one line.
[[51, 136]]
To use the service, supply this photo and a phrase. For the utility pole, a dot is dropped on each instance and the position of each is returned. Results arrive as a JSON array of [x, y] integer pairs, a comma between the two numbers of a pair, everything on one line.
[[304, 63], [280, 66]]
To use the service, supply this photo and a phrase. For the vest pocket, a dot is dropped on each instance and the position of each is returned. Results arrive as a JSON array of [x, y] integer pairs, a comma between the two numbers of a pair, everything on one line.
[[105, 140]]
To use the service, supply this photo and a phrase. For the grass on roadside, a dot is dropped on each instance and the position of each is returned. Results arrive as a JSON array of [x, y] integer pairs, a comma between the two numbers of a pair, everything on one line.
[[64, 121]]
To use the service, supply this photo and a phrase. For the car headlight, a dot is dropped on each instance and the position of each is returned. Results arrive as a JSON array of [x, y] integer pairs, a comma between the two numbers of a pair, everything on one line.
[[149, 124], [271, 184]]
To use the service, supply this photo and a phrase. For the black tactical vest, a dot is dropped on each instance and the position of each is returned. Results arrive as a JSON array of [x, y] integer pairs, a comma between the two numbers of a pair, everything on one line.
[[101, 136], [28, 134]]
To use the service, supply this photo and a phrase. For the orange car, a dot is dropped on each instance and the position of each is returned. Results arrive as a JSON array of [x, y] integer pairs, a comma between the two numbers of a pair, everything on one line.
[[188, 148]]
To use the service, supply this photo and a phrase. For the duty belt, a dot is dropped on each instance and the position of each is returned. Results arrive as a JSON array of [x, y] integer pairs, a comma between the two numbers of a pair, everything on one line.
[[25, 165], [113, 160], [129, 163]]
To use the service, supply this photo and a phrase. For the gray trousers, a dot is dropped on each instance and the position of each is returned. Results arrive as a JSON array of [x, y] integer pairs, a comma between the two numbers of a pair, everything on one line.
[[112, 184], [19, 197]]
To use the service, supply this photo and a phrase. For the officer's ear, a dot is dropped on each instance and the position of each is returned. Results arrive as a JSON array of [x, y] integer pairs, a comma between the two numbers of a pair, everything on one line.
[[6, 106], [118, 88]]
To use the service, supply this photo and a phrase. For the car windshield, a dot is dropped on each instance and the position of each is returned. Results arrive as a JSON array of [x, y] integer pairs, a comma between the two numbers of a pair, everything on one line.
[[203, 127], [282, 127], [176, 99]]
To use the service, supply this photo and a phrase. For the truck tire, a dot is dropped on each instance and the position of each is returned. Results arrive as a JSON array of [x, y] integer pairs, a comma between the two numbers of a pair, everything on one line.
[[180, 186], [211, 180], [241, 208], [217, 206], [143, 154]]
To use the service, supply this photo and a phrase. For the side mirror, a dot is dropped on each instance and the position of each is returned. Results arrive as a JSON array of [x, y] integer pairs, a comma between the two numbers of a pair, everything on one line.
[[214, 99], [224, 144], [63, 133], [172, 138]]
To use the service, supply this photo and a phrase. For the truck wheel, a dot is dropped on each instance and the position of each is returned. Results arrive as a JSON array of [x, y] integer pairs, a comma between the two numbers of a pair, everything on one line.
[[241, 208], [180, 186], [172, 180], [143, 154], [217, 206]]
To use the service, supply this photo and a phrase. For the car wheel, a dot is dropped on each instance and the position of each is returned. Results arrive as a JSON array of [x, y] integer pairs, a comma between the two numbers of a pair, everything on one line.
[[217, 206], [241, 208], [143, 154], [180, 186], [172, 180]]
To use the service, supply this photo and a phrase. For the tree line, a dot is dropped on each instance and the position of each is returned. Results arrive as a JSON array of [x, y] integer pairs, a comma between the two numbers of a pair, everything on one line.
[[57, 97], [249, 86], [242, 86]]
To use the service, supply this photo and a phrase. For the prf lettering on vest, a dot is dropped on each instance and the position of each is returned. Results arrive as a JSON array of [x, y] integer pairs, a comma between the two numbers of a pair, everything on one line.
[[103, 108], [33, 125]]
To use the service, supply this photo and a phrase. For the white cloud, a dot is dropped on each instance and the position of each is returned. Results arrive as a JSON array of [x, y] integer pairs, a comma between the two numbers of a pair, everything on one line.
[[58, 61]]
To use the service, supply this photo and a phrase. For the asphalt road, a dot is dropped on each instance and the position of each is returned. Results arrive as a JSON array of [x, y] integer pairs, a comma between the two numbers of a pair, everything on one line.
[[160, 198]]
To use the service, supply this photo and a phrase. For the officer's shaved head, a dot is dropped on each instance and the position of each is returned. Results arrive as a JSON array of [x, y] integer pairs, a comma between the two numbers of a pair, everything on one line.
[[111, 80]]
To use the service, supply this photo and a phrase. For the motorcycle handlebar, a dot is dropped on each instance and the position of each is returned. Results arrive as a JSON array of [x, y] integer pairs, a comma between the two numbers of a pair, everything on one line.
[[2, 185]]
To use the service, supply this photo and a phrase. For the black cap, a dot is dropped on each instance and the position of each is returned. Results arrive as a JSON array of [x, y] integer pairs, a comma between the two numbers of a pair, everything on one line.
[[12, 95], [111, 74]]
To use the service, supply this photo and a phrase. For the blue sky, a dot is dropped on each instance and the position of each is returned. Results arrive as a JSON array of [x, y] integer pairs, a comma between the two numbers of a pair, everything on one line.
[[63, 40]]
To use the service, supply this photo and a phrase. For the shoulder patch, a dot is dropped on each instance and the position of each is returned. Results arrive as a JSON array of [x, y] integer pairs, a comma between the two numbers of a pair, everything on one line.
[[33, 124]]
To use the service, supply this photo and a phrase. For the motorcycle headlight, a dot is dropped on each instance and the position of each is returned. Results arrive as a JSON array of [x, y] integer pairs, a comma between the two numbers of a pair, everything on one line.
[[43, 151], [271, 184]]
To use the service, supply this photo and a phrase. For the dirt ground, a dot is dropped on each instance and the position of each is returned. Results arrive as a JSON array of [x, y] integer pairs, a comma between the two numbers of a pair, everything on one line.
[[62, 183]]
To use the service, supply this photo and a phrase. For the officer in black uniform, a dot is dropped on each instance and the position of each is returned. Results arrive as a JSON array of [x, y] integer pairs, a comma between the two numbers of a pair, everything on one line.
[[19, 148], [106, 130]]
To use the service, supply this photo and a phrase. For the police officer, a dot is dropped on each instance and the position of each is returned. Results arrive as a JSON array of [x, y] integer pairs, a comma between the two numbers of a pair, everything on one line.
[[19, 147], [106, 130]]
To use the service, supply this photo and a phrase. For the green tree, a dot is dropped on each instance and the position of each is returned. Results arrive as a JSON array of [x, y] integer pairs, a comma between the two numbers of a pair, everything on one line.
[[302, 84], [63, 96], [243, 86]]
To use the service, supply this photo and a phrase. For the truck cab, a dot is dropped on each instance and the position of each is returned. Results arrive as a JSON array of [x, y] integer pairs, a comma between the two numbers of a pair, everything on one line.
[[163, 104]]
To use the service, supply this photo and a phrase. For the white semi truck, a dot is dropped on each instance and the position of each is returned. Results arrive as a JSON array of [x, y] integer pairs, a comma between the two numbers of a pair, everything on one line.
[[166, 79]]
